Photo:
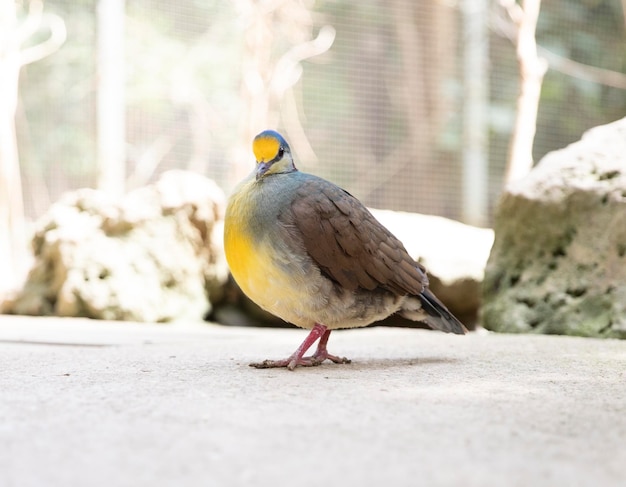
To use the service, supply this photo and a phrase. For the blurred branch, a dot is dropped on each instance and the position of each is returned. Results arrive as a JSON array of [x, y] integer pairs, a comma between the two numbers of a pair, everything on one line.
[[267, 77], [13, 35], [295, 130], [290, 62], [31, 23], [58, 34], [582, 71], [506, 27], [288, 69], [149, 160], [532, 68]]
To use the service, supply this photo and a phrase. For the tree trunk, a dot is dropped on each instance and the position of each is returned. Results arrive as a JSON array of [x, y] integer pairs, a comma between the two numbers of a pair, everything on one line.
[[13, 250], [532, 69], [111, 113], [475, 107], [13, 254]]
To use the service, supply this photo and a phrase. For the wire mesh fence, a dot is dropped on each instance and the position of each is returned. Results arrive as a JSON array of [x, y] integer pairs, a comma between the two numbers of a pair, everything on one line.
[[369, 93]]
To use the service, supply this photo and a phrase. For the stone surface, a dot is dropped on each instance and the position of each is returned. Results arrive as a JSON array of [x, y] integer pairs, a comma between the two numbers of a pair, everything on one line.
[[558, 264], [155, 255], [102, 404]]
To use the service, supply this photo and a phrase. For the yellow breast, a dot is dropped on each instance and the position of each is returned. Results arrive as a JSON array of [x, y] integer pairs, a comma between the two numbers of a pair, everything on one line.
[[260, 262], [240, 256], [249, 255], [239, 243]]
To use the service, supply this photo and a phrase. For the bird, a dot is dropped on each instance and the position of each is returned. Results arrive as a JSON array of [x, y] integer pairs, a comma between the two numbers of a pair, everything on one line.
[[309, 252]]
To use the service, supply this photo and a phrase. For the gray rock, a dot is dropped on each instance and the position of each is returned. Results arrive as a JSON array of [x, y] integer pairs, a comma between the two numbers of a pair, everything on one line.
[[156, 255], [558, 264]]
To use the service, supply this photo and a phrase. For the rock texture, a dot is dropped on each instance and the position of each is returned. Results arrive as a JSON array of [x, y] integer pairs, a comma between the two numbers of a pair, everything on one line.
[[156, 255], [558, 264]]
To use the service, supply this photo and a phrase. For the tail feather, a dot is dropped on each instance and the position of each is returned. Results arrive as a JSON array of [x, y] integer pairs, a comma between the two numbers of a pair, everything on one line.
[[438, 316]]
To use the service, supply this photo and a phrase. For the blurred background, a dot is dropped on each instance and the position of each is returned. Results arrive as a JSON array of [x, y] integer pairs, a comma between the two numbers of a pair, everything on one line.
[[380, 96]]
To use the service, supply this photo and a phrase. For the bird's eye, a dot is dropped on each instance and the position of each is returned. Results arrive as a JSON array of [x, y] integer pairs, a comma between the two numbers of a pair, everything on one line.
[[281, 151]]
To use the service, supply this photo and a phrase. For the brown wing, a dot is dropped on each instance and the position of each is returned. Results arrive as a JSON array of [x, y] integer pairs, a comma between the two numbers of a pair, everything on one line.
[[348, 244]]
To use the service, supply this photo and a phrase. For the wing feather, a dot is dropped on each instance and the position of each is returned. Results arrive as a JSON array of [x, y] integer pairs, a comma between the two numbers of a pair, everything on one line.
[[348, 244]]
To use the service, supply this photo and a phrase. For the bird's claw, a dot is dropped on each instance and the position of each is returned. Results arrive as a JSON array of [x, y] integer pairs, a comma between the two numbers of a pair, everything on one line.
[[292, 362]]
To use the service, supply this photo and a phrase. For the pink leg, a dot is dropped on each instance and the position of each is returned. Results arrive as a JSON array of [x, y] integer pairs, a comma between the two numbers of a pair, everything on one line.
[[297, 358], [322, 354]]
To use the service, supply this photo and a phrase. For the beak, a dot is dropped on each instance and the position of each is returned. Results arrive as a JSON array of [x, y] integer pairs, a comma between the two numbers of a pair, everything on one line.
[[261, 169]]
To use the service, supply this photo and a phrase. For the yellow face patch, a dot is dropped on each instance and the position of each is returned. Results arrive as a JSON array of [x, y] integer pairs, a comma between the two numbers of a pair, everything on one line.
[[265, 148]]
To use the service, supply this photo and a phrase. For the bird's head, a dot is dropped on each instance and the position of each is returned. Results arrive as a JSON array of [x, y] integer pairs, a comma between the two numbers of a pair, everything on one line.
[[273, 155]]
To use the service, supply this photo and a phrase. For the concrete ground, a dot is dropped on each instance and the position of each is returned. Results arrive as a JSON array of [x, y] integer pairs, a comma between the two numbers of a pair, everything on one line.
[[86, 403]]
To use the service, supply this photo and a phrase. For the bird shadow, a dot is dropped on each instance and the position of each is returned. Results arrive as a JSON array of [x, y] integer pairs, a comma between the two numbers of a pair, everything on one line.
[[387, 363], [365, 364]]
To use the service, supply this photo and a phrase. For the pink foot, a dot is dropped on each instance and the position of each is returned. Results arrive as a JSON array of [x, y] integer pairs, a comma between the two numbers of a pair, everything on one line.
[[297, 358], [322, 354]]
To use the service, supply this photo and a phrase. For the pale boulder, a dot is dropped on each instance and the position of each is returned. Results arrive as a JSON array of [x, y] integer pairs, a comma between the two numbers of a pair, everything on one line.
[[154, 255], [558, 263]]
